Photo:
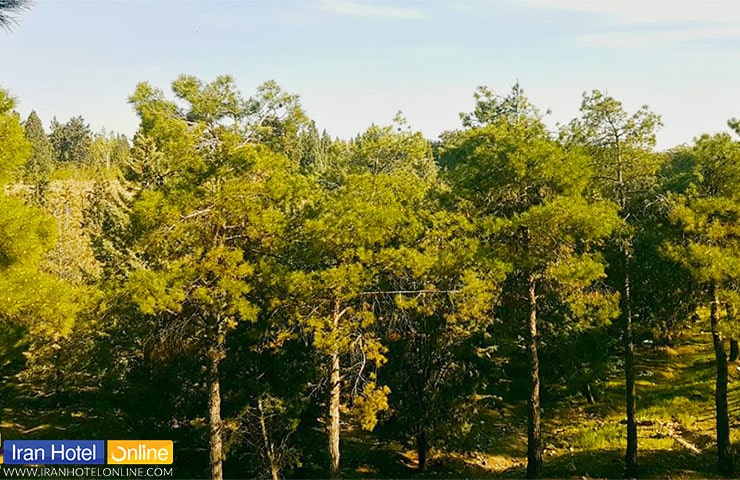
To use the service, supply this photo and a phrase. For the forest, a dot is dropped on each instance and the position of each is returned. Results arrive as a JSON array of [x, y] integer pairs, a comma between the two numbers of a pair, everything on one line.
[[512, 299], [271, 298]]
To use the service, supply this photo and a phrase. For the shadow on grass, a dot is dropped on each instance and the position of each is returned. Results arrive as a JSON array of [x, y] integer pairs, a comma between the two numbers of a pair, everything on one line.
[[610, 464], [502, 431], [385, 462]]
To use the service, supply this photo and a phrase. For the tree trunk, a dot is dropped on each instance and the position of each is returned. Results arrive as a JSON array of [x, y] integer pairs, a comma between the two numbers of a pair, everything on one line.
[[724, 454], [534, 434], [334, 399], [421, 449], [734, 350], [215, 425], [629, 372], [588, 394], [269, 450]]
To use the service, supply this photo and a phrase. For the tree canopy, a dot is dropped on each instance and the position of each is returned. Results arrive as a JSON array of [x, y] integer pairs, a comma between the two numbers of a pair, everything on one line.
[[509, 299]]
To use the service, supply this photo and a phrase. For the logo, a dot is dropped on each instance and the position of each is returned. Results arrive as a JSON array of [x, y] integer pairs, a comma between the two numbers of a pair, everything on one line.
[[140, 452], [86, 452], [54, 452]]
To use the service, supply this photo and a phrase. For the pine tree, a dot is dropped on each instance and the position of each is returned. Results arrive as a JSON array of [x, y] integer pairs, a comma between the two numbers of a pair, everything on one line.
[[625, 171], [368, 209], [528, 195], [71, 141], [41, 163], [212, 206], [8, 9], [706, 210], [31, 298]]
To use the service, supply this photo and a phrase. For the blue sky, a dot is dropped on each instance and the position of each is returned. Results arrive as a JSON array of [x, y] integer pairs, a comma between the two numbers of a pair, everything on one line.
[[356, 62]]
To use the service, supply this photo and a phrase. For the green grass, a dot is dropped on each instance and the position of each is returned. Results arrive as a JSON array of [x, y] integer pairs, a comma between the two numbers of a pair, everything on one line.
[[599, 437], [675, 413]]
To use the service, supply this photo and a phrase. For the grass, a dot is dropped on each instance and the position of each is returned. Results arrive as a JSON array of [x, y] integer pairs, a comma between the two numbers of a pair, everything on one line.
[[676, 422], [675, 413]]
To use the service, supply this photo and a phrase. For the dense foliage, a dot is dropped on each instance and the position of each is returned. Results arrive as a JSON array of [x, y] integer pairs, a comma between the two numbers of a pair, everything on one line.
[[260, 292]]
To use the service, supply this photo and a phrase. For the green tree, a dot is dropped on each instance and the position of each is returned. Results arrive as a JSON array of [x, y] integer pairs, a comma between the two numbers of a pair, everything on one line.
[[558, 261], [201, 230], [708, 246], [109, 150], [527, 192], [438, 332], [147, 165], [39, 166], [367, 209], [625, 172], [392, 148], [71, 141], [734, 124], [491, 107], [33, 299], [271, 117], [15, 147], [275, 118], [315, 149], [351, 225]]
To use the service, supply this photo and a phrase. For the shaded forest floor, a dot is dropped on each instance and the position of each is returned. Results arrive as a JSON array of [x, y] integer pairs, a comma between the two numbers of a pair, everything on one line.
[[675, 411]]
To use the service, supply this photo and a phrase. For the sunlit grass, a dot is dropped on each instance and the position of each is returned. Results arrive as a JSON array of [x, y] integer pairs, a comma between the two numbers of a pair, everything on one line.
[[599, 437]]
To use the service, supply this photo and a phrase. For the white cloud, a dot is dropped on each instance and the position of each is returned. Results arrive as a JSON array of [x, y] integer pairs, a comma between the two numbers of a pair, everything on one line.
[[638, 23], [645, 38], [633, 12], [368, 9]]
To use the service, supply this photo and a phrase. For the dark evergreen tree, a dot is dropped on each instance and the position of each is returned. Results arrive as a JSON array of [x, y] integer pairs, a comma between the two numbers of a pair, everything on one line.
[[39, 165], [708, 246], [71, 141]]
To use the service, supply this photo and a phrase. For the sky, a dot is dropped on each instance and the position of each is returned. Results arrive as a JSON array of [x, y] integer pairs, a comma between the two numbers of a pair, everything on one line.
[[358, 62]]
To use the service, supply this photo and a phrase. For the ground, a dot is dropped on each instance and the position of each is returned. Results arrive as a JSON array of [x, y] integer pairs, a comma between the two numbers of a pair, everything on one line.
[[675, 413], [676, 422]]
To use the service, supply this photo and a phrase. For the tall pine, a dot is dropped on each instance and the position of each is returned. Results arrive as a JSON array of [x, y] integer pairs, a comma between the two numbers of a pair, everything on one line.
[[707, 212], [528, 195]]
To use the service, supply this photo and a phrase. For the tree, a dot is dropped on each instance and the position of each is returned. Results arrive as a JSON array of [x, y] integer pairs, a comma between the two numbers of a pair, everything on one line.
[[200, 229], [528, 195], [392, 148], [438, 332], [109, 150], [557, 257], [708, 245], [316, 149], [625, 172], [276, 119], [368, 209], [15, 147], [32, 299], [491, 107], [71, 141], [41, 162], [734, 124], [8, 9]]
